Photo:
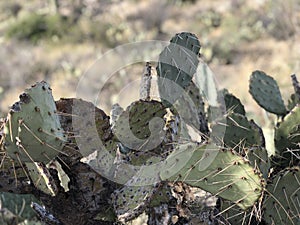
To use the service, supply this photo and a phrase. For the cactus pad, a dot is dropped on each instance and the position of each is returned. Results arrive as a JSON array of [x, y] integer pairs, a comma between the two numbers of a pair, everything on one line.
[[282, 202], [134, 126], [233, 104], [190, 108], [238, 131], [236, 216], [287, 138], [226, 174], [178, 63], [259, 159], [33, 131], [265, 91]]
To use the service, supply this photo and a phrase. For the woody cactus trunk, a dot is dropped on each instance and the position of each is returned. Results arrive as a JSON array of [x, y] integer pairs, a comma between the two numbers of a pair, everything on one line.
[[190, 157]]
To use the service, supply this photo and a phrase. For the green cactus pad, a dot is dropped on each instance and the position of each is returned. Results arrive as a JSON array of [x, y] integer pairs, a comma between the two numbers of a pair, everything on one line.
[[133, 127], [190, 108], [220, 172], [33, 131], [287, 138], [239, 131], [258, 157], [233, 104], [235, 215], [266, 93], [91, 125], [178, 63], [41, 178], [282, 204]]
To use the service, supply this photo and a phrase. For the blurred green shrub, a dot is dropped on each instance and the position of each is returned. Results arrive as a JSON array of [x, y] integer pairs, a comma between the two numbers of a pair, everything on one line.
[[34, 27]]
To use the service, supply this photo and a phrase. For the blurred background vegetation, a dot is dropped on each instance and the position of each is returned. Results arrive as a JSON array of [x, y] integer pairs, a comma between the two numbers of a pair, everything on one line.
[[57, 40]]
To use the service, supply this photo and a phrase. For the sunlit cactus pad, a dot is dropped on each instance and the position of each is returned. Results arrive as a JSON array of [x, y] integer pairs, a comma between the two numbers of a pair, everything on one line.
[[33, 131], [220, 172]]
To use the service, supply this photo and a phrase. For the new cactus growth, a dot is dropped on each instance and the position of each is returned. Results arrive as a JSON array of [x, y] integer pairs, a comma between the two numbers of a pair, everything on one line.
[[33, 131], [265, 91]]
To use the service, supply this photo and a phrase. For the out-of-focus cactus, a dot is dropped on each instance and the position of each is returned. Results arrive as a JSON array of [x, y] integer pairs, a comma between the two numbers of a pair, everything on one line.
[[18, 206], [265, 91], [145, 86]]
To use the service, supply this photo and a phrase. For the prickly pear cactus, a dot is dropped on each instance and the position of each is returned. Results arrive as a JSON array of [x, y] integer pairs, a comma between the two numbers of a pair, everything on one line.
[[234, 215], [134, 126], [232, 103], [282, 204], [239, 131], [259, 159], [178, 63], [191, 109], [33, 131], [287, 138], [265, 91], [226, 174]]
